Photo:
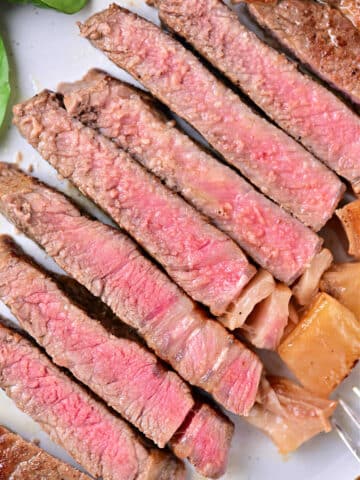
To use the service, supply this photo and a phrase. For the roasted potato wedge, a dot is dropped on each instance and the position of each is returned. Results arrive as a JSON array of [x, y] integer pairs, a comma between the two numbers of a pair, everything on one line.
[[324, 346]]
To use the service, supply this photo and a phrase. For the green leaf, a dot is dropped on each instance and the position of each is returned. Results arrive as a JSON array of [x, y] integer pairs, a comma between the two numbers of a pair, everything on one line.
[[4, 81], [65, 6]]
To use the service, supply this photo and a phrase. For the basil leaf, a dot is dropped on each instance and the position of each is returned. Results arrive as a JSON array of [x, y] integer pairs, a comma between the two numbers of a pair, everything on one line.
[[4, 82], [65, 6]]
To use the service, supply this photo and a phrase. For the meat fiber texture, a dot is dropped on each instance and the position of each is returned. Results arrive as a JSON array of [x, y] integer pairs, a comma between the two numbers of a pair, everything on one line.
[[329, 44], [205, 262], [110, 265], [299, 105], [128, 377], [280, 167], [21, 460], [99, 441], [116, 369], [273, 238], [202, 438], [289, 414]]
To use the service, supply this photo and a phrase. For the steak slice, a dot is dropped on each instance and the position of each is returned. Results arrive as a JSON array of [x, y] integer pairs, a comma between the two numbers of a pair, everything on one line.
[[280, 167], [124, 374], [205, 262], [204, 429], [110, 265], [102, 443], [320, 37], [20, 460], [275, 240], [299, 105]]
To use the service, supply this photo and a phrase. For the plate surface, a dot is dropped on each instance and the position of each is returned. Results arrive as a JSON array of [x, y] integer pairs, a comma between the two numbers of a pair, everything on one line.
[[45, 48]]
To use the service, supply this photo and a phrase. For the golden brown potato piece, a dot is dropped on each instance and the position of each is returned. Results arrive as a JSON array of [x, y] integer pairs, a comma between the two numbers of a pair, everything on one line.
[[324, 346], [350, 218], [342, 281]]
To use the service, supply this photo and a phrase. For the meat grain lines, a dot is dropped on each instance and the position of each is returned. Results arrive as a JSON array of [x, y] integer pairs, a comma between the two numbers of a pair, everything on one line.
[[280, 167], [111, 266], [21, 460], [116, 368], [99, 441], [298, 104], [275, 240]]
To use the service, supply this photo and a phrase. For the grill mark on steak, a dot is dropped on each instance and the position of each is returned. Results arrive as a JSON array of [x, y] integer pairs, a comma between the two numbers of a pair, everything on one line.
[[116, 369], [302, 107], [140, 294], [205, 262], [21, 460], [280, 167], [102, 443], [275, 240]]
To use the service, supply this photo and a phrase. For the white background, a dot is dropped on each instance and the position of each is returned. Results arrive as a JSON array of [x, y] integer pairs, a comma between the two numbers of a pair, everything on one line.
[[45, 48]]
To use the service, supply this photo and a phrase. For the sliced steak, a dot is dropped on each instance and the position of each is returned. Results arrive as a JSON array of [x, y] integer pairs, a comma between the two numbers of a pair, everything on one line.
[[299, 105], [126, 375], [20, 460], [211, 433], [205, 262], [125, 114], [103, 444], [110, 265], [320, 37], [280, 167]]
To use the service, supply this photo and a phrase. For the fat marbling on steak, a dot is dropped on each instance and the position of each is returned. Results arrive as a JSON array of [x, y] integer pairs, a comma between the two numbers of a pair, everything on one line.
[[273, 161], [21, 460], [301, 106], [102, 443], [319, 36], [205, 262], [119, 370], [273, 238], [111, 266]]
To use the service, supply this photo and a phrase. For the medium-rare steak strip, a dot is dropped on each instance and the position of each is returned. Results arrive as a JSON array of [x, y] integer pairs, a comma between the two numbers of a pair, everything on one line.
[[306, 110], [274, 162], [116, 369], [205, 262], [102, 443], [275, 240], [110, 265], [320, 37], [21, 460], [209, 432]]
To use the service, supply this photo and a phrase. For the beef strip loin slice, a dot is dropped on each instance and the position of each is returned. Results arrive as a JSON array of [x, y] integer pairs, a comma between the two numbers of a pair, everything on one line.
[[276, 240], [194, 433], [349, 8], [125, 375], [274, 162], [205, 262], [110, 265], [103, 444], [320, 37], [305, 109], [116, 369], [21, 460]]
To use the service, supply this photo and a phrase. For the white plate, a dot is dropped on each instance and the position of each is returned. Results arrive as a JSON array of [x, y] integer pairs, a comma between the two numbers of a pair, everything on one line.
[[45, 48]]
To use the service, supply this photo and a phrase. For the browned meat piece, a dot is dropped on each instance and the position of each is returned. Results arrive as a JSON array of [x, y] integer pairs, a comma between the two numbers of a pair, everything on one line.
[[20, 460]]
